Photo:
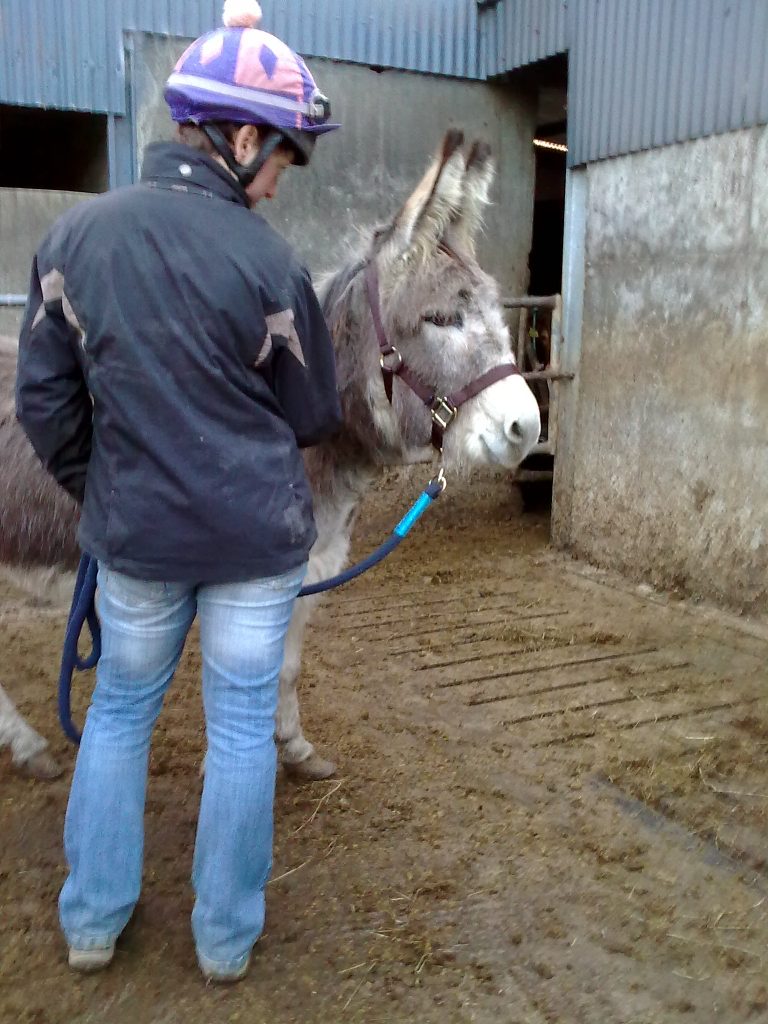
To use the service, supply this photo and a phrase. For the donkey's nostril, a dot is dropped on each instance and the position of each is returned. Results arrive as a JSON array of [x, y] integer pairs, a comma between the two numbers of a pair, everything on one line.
[[523, 431], [516, 431]]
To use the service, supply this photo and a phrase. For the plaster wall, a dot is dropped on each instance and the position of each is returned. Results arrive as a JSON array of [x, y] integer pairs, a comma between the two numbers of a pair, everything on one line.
[[392, 122], [25, 217], [662, 468]]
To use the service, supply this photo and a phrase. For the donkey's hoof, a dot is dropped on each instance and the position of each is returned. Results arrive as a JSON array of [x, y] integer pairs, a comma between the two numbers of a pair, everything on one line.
[[311, 769], [40, 766]]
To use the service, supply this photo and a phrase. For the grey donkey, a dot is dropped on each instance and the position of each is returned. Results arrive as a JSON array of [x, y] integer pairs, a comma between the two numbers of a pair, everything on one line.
[[444, 316]]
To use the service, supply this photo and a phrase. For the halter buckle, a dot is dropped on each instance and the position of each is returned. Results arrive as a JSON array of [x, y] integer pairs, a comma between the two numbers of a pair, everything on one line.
[[398, 363], [444, 412]]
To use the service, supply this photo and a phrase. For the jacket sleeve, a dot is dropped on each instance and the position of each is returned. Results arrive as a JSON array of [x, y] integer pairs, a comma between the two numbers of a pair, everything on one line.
[[304, 369], [52, 400]]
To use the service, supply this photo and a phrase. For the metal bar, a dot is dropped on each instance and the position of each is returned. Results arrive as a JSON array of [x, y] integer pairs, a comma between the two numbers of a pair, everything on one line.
[[507, 618], [522, 331], [365, 620], [474, 639], [13, 300], [550, 374], [555, 345], [689, 713], [508, 652], [531, 669], [367, 605], [525, 649], [533, 476], [111, 146], [531, 302], [576, 683], [543, 448], [570, 708]]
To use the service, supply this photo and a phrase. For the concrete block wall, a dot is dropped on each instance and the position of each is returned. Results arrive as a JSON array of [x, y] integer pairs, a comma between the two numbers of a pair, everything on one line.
[[663, 458], [25, 217]]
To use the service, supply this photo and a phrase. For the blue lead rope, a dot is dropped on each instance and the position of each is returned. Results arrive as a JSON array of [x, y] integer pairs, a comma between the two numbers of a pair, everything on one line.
[[431, 492], [84, 601], [83, 610]]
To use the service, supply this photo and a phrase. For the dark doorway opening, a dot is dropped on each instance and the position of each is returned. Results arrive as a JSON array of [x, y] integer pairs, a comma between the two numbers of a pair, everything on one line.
[[56, 150], [546, 257], [548, 81]]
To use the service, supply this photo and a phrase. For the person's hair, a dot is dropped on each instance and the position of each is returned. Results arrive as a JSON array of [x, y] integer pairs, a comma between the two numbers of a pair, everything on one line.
[[193, 136]]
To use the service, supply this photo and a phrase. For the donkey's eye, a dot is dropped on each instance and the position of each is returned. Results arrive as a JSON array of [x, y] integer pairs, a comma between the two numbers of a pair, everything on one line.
[[445, 319]]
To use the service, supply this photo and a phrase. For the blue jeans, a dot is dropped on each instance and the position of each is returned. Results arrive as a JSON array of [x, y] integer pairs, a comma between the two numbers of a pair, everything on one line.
[[144, 625]]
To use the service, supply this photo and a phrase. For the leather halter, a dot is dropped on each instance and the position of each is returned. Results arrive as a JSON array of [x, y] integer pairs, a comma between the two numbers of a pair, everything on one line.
[[443, 408]]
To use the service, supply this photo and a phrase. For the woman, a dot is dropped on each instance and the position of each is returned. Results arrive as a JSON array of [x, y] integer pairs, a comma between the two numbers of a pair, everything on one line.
[[172, 362]]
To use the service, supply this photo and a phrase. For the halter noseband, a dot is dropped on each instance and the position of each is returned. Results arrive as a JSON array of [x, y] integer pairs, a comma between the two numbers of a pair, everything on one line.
[[443, 408]]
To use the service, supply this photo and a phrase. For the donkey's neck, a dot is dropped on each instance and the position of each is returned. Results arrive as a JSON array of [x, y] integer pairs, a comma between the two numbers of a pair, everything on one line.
[[343, 469], [340, 468]]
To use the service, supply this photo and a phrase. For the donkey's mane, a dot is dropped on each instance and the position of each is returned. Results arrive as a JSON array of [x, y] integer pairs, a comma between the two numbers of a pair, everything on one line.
[[334, 287]]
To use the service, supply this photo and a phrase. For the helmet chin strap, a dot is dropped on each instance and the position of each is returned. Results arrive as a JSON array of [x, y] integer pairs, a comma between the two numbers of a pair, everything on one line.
[[245, 173]]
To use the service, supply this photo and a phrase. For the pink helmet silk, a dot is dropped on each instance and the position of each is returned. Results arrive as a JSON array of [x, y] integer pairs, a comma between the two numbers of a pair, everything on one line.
[[247, 76]]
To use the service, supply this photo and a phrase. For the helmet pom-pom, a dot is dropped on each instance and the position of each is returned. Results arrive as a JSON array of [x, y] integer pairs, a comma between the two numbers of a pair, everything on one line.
[[242, 14]]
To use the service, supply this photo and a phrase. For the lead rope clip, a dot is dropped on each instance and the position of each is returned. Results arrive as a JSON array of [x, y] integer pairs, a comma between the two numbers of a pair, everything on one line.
[[440, 478]]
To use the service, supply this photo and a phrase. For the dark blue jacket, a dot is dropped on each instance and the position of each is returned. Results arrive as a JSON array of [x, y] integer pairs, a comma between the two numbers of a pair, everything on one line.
[[172, 362]]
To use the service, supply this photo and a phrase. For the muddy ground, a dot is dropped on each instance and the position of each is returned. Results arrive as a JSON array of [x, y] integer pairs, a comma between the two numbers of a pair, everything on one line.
[[551, 805]]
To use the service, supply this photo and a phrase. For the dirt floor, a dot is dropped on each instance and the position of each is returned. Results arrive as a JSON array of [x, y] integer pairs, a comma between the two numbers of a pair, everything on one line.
[[551, 806]]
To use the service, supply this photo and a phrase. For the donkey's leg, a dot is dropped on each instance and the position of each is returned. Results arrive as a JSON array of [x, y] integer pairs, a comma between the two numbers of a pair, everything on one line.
[[29, 751], [298, 756]]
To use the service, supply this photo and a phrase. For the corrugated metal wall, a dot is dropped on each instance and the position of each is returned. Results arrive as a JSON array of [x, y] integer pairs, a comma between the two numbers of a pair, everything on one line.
[[70, 54], [642, 73], [651, 73], [66, 55], [515, 33], [437, 36]]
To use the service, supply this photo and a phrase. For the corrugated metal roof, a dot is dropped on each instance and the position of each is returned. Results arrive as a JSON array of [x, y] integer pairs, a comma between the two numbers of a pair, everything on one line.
[[70, 55], [520, 32]]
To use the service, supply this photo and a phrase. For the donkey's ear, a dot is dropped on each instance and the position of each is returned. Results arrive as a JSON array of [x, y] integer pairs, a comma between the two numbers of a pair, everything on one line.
[[462, 231], [435, 201]]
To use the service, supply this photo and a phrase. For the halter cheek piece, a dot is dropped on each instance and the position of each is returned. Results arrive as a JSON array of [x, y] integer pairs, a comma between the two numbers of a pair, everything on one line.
[[443, 408]]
